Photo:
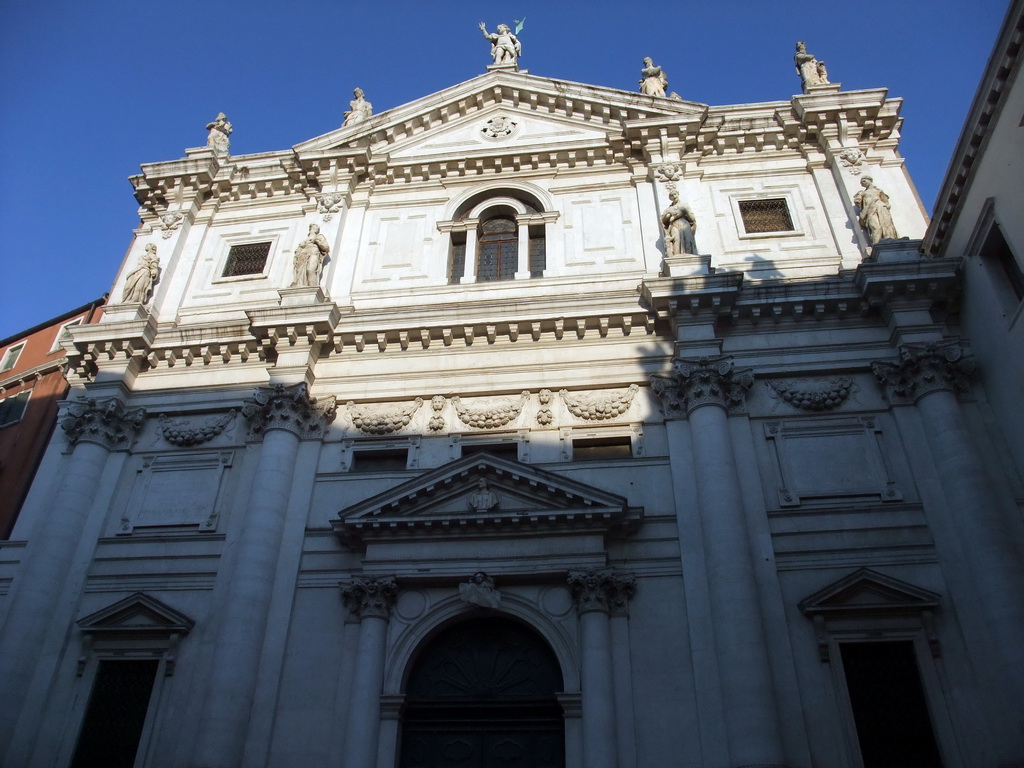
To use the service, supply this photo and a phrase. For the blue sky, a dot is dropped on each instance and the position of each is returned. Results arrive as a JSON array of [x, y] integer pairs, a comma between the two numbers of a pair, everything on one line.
[[90, 90]]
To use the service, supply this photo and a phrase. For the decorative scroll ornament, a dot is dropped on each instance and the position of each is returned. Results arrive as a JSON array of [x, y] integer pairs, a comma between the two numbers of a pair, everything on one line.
[[499, 127], [370, 598], [170, 222], [382, 419], [601, 591], [436, 423], [599, 406], [490, 414], [289, 408], [479, 590], [107, 423], [179, 432], [329, 203], [818, 396], [707, 381], [925, 368], [852, 158]]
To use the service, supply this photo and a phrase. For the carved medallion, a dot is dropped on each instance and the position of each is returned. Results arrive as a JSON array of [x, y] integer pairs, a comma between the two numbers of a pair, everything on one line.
[[499, 127]]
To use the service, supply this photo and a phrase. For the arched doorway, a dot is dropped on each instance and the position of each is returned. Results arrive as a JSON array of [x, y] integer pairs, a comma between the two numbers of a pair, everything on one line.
[[482, 694]]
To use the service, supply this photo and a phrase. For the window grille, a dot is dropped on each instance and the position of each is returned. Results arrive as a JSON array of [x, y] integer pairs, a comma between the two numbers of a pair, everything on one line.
[[765, 216], [248, 259], [497, 250], [538, 252]]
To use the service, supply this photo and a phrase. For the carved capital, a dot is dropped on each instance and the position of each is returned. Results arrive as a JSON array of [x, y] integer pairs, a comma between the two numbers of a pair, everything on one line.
[[108, 423], [289, 408], [925, 368], [370, 598], [706, 381], [602, 591]]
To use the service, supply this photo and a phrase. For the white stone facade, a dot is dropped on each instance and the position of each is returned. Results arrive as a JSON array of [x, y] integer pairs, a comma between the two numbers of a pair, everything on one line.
[[705, 475]]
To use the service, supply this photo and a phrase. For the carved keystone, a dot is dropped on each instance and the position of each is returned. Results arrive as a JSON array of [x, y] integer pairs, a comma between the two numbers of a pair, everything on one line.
[[706, 381], [108, 423], [289, 408]]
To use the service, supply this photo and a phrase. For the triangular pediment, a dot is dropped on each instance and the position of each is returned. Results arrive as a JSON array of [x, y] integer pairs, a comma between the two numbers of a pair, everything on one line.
[[482, 493], [546, 109], [138, 613], [867, 591]]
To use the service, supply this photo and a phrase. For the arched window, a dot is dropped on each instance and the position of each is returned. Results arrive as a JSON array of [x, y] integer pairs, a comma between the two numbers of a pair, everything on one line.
[[497, 249], [484, 692]]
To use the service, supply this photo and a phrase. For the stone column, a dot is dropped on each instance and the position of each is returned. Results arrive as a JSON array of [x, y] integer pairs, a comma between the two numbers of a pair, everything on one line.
[[705, 390], [281, 416], [94, 429], [591, 592], [469, 275], [369, 602], [929, 376], [523, 256], [623, 587]]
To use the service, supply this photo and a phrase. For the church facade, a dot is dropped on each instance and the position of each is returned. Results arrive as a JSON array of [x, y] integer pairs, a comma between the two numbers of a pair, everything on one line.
[[531, 423]]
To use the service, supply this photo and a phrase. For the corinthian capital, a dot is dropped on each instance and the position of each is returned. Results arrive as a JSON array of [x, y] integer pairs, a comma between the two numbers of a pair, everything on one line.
[[601, 591], [924, 368], [370, 598], [104, 422], [706, 381], [289, 408]]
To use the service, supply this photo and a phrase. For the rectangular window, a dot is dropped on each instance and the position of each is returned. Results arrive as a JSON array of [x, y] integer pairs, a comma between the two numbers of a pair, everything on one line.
[[507, 450], [13, 408], [888, 703], [457, 258], [248, 259], [64, 333], [390, 460], [996, 251], [538, 252], [594, 448], [765, 216], [116, 714], [11, 357]]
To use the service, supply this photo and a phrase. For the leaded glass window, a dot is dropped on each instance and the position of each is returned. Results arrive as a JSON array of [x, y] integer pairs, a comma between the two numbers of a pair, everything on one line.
[[497, 250]]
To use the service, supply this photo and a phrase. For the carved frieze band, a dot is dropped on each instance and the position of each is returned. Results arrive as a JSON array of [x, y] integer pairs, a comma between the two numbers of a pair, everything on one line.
[[104, 422], [384, 418], [184, 433], [812, 395], [602, 590], [289, 408], [924, 368], [706, 381], [370, 598]]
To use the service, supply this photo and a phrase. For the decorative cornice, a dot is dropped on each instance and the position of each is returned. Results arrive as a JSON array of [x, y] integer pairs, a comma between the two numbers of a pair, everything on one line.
[[108, 423], [603, 591], [925, 368], [288, 408], [370, 598], [706, 381], [384, 418]]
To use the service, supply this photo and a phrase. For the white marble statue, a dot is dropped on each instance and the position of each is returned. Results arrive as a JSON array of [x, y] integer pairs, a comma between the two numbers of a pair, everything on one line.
[[309, 259], [358, 109], [812, 72], [680, 224], [140, 281], [219, 131], [653, 81], [874, 216], [505, 46]]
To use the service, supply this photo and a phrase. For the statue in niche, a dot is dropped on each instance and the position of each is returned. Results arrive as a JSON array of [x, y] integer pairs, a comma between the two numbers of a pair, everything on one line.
[[680, 225], [140, 281], [309, 259], [874, 216], [653, 81], [812, 72], [505, 46], [219, 131], [358, 109], [483, 499], [479, 590]]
